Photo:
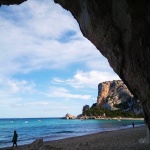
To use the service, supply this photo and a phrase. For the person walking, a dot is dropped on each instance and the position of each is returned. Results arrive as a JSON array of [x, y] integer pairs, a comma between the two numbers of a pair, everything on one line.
[[15, 137]]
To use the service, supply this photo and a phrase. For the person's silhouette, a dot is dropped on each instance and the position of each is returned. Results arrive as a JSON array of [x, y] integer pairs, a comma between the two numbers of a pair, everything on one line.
[[133, 124], [15, 137]]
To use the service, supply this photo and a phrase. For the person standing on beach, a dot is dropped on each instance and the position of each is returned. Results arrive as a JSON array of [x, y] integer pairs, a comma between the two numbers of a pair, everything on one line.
[[133, 124], [15, 137]]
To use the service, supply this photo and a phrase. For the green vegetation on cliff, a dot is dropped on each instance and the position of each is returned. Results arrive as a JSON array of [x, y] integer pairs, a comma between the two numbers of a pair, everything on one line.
[[98, 111]]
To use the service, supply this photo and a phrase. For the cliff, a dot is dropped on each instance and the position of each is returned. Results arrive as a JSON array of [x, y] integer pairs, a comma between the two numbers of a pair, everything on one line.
[[114, 95]]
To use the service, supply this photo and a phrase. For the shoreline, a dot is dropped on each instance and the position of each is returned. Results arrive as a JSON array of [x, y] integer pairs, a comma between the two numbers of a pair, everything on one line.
[[118, 139], [120, 118], [101, 118]]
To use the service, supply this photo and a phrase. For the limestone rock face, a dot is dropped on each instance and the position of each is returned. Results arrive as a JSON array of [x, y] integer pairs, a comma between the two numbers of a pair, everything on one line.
[[115, 90], [103, 92], [114, 95], [120, 29]]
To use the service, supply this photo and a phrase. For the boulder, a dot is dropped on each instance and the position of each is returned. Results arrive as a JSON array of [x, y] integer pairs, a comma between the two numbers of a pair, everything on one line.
[[69, 116], [35, 145]]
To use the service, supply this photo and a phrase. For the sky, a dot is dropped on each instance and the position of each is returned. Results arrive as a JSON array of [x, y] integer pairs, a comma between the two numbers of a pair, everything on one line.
[[47, 67]]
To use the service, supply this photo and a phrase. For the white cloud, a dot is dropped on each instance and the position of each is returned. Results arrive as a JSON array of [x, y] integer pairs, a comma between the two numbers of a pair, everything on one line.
[[31, 41], [64, 93], [57, 80], [46, 21], [12, 86], [88, 79]]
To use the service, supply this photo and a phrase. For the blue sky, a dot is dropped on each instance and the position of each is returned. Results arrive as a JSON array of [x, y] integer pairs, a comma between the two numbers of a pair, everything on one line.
[[47, 67]]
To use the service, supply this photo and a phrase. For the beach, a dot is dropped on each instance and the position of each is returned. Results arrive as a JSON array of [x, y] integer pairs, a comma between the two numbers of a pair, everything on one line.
[[125, 139]]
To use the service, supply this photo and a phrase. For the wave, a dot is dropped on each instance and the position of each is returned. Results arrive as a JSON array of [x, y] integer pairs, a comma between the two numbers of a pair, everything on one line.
[[63, 132]]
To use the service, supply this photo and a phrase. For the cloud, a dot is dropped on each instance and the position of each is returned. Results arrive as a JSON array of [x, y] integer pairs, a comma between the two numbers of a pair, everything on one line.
[[7, 101], [10, 86], [57, 80], [64, 93], [33, 35], [88, 79]]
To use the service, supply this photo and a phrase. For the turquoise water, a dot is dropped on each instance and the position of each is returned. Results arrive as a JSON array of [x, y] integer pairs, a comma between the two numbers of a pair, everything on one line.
[[50, 129]]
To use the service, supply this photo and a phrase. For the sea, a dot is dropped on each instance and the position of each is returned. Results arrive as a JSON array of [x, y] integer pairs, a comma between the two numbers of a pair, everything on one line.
[[49, 129]]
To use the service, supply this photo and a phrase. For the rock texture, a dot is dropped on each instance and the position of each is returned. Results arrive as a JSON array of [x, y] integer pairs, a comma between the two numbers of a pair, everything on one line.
[[35, 145], [115, 90], [86, 107], [103, 92], [114, 95], [38, 144], [10, 2], [120, 29], [69, 116]]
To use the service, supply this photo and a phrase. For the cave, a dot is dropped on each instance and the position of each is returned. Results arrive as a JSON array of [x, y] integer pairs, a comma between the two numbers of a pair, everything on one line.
[[120, 30]]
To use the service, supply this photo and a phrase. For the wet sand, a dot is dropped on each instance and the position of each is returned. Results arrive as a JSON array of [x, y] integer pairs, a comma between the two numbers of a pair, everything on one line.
[[126, 139]]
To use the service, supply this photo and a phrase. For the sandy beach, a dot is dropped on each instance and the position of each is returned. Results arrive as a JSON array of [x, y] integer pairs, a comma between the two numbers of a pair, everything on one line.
[[126, 139]]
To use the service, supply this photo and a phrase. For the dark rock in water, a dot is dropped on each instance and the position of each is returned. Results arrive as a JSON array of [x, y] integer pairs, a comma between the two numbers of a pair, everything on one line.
[[69, 116]]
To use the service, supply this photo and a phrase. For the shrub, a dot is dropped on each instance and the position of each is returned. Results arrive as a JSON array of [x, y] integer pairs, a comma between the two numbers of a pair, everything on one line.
[[98, 111]]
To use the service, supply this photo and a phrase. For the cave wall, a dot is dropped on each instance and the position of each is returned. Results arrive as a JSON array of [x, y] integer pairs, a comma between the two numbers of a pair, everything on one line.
[[11, 2], [120, 29]]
